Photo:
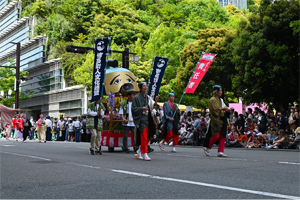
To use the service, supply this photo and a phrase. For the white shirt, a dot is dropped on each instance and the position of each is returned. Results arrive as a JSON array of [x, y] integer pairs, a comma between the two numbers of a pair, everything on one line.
[[77, 124], [121, 112], [58, 123], [259, 118], [49, 123], [93, 113], [32, 122]]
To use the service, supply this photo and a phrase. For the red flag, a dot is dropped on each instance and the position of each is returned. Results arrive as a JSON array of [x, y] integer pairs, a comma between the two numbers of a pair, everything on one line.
[[199, 72]]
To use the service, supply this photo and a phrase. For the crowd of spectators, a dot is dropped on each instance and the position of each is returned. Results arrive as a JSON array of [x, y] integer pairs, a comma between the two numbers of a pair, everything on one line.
[[254, 129], [64, 129]]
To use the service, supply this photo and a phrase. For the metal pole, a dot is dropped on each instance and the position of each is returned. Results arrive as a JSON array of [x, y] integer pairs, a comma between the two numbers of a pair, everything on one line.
[[188, 82], [150, 72], [18, 54], [125, 58]]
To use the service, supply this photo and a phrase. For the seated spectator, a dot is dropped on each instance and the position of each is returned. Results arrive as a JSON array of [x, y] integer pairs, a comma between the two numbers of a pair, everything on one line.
[[232, 135], [234, 118], [189, 122], [182, 128], [295, 143], [262, 122], [250, 124], [207, 118], [240, 122], [240, 141], [280, 141], [203, 127], [293, 119], [271, 136], [273, 125], [250, 141], [257, 142], [255, 131], [246, 130], [187, 137]]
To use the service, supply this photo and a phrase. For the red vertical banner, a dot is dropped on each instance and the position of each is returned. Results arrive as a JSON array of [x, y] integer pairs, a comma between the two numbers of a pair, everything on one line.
[[199, 72]]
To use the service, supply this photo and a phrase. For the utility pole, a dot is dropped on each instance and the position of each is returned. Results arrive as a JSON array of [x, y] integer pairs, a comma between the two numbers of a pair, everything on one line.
[[17, 67], [18, 55], [125, 58]]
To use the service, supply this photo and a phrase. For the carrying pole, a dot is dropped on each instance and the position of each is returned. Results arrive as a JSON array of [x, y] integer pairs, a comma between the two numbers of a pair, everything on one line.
[[150, 73]]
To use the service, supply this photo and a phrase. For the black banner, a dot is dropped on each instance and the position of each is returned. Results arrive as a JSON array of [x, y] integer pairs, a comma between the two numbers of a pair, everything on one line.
[[158, 71], [99, 66]]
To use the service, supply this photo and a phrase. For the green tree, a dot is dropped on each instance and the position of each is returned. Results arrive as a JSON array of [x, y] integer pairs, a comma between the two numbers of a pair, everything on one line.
[[266, 55], [118, 21], [84, 74], [7, 77]]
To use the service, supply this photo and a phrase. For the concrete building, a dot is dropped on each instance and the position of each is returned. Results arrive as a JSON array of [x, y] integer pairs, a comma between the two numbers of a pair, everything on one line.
[[238, 3], [51, 94]]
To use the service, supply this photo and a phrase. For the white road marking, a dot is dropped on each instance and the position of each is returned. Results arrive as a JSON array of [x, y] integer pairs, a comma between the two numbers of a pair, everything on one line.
[[81, 165], [7, 145], [176, 180], [289, 163], [28, 156], [209, 185], [230, 159]]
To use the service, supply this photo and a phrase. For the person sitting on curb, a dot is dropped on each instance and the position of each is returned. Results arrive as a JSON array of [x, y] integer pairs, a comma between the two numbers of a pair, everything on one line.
[[279, 141]]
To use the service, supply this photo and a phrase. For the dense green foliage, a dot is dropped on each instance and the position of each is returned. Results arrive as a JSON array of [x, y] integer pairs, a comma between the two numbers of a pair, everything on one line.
[[258, 54], [7, 82], [266, 55]]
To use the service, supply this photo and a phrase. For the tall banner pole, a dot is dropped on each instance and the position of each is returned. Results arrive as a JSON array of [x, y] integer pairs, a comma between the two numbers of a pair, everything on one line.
[[188, 82], [150, 72], [107, 54], [100, 64]]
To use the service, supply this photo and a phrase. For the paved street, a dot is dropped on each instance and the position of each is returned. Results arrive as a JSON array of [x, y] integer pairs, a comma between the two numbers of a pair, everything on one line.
[[64, 170]]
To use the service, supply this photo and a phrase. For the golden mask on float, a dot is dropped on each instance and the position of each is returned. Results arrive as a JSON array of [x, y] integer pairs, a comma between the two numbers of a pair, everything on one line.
[[119, 80]]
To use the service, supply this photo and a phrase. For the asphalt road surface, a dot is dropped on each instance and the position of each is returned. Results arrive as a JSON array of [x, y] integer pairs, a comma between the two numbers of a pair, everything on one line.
[[65, 170]]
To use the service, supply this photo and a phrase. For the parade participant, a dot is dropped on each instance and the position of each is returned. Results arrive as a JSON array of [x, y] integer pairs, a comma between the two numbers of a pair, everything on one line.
[[48, 129], [170, 124], [218, 123], [16, 124], [142, 106], [95, 113], [128, 124], [41, 128], [27, 126]]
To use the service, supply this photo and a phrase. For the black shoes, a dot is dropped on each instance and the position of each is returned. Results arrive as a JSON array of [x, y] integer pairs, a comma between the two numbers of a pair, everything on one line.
[[99, 152], [125, 150], [149, 149], [92, 152]]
